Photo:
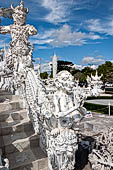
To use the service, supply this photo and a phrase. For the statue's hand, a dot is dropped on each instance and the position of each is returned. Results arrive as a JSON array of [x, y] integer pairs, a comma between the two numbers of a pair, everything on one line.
[[32, 30], [47, 114], [68, 112], [4, 29], [58, 115], [55, 132]]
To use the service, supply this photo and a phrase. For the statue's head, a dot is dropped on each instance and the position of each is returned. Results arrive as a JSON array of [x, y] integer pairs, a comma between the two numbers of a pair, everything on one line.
[[64, 80], [19, 14]]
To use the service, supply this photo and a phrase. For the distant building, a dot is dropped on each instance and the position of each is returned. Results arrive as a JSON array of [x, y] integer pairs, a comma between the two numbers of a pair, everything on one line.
[[54, 64]]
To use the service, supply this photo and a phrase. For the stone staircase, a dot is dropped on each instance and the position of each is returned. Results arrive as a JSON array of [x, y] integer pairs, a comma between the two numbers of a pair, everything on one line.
[[17, 139]]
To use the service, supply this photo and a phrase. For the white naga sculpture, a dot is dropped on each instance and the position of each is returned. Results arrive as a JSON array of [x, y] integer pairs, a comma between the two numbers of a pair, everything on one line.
[[95, 84]]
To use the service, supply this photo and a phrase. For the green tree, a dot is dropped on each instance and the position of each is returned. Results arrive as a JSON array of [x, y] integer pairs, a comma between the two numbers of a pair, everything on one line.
[[64, 65], [107, 70], [78, 75], [87, 71], [44, 75], [75, 71], [51, 75]]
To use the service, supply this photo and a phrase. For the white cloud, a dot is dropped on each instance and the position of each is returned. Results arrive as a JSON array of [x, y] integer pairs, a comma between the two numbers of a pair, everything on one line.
[[64, 36], [4, 39], [62, 10], [96, 25], [2, 43], [93, 36], [45, 67], [111, 61], [42, 47], [100, 56], [94, 67], [36, 66], [91, 60], [58, 10], [41, 41], [76, 66]]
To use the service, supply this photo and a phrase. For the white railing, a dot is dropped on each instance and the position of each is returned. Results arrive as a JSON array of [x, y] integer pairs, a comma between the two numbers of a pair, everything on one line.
[[31, 86], [5, 83]]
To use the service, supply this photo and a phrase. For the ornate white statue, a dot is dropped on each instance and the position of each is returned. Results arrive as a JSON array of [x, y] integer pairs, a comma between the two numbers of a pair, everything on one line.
[[57, 118], [18, 61], [19, 54], [60, 122], [95, 84], [6, 12]]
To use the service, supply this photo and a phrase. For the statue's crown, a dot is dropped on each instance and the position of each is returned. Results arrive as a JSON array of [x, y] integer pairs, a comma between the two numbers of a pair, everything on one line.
[[20, 8]]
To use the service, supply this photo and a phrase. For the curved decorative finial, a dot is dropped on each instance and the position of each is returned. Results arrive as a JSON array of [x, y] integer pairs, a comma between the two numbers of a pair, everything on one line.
[[12, 7], [21, 4], [96, 73]]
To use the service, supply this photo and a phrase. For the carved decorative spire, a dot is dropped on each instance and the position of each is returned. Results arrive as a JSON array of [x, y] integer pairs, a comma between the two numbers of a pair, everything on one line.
[[22, 4], [20, 8]]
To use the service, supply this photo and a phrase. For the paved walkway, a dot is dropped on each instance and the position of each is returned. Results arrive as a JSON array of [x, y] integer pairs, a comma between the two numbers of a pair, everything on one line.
[[101, 101]]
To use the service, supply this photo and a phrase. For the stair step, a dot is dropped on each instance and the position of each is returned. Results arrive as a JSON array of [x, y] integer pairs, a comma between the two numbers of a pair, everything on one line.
[[17, 139], [4, 92], [41, 164], [28, 159], [15, 115], [14, 127], [9, 96], [6, 106], [19, 142]]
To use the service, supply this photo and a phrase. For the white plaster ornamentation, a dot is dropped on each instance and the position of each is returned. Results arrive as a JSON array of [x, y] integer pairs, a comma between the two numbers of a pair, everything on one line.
[[19, 54], [101, 157], [61, 124], [19, 58], [54, 65], [56, 119], [95, 84]]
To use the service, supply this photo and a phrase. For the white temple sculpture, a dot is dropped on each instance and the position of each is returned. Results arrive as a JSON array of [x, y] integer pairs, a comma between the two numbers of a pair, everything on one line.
[[51, 121], [20, 51], [95, 84], [6, 12], [54, 65], [56, 118], [101, 157], [61, 121]]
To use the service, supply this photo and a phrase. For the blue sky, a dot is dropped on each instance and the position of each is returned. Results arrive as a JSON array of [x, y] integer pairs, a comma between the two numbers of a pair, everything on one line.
[[80, 31]]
